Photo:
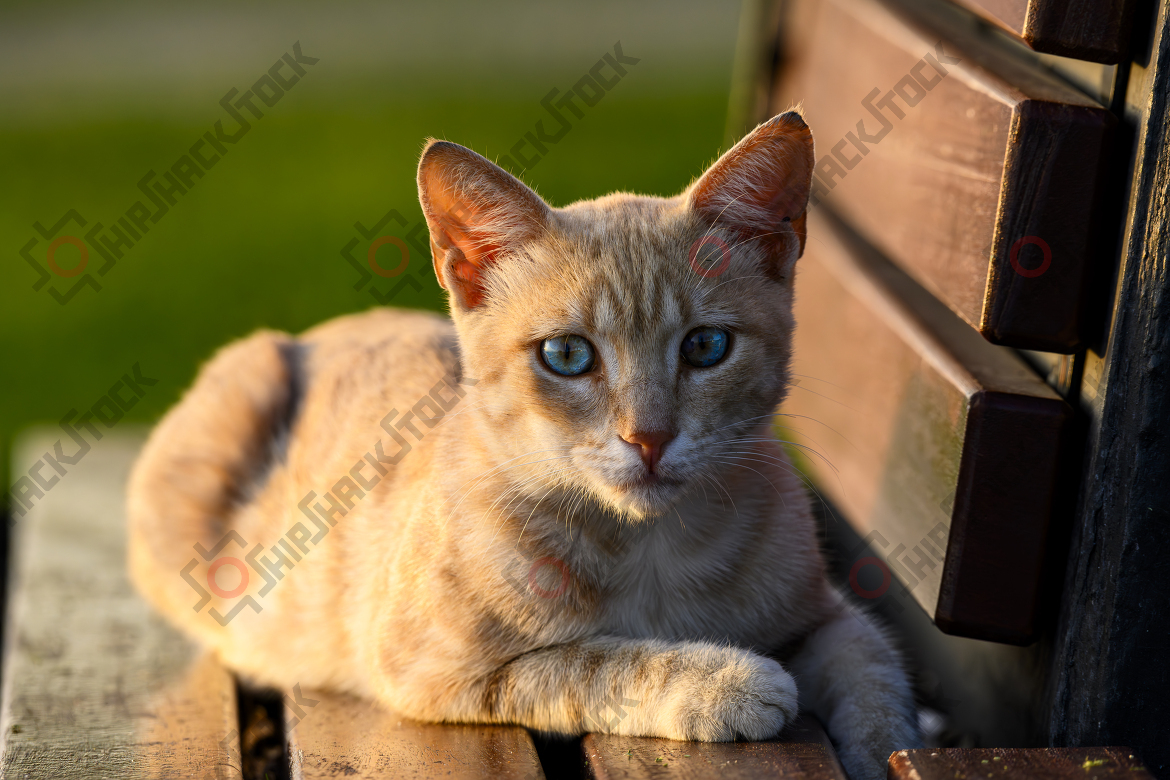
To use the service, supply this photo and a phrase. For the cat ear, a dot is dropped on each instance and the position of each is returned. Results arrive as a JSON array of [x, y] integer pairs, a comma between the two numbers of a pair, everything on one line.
[[760, 187], [476, 212]]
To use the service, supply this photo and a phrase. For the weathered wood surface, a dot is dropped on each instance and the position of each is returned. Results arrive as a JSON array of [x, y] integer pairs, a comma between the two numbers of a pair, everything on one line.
[[802, 751], [980, 173], [934, 443], [1088, 763], [343, 737], [1108, 678], [95, 684], [1096, 30]]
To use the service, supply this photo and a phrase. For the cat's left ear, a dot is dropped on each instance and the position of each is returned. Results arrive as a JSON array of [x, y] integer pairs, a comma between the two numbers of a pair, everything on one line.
[[760, 187], [476, 212]]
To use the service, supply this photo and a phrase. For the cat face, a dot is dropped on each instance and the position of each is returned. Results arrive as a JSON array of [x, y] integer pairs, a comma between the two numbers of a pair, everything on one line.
[[624, 347]]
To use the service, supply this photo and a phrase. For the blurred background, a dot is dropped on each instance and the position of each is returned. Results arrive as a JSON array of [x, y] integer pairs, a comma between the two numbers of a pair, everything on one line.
[[95, 95]]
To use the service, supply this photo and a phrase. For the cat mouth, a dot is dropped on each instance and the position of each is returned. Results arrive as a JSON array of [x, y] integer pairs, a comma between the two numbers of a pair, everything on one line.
[[648, 494], [650, 479], [637, 491]]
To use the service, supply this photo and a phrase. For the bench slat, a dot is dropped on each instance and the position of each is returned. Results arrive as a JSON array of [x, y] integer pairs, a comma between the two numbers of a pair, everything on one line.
[[1093, 30], [1089, 763], [972, 186], [342, 736], [941, 449], [802, 751], [96, 685]]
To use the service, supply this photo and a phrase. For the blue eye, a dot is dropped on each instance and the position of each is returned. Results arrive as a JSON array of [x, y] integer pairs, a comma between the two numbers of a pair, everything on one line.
[[567, 355], [704, 346]]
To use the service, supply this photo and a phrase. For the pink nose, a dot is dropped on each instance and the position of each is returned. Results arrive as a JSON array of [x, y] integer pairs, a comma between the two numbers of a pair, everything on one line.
[[650, 445]]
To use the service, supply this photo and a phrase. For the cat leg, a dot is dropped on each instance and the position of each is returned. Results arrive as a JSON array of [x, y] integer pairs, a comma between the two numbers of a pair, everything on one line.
[[641, 687], [852, 678]]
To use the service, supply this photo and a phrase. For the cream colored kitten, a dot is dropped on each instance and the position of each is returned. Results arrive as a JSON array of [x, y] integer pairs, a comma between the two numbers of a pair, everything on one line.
[[599, 403]]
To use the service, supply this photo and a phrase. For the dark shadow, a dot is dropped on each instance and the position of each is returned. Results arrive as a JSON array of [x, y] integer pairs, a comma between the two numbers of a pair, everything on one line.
[[262, 738], [562, 758]]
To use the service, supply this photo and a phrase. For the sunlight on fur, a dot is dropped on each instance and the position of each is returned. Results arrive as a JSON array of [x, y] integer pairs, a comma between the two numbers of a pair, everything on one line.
[[600, 403]]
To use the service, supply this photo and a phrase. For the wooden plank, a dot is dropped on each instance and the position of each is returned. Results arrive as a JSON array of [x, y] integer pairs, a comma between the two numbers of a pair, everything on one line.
[[1096, 30], [985, 189], [940, 447], [1106, 681], [1088, 763], [341, 736], [802, 751], [96, 685]]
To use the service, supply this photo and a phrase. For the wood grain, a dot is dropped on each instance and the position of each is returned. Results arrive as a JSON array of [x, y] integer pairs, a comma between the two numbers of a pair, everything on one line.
[[992, 155], [802, 751], [95, 684], [1096, 30], [1088, 763], [944, 449], [344, 737], [1107, 678]]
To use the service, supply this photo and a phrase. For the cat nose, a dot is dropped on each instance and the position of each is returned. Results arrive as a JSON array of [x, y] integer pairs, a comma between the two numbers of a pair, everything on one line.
[[650, 445]]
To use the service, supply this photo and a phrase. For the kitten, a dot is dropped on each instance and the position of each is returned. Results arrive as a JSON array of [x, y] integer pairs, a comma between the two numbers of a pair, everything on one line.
[[599, 403]]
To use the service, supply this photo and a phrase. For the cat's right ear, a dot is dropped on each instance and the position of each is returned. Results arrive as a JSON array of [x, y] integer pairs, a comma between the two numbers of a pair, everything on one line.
[[760, 187], [477, 212]]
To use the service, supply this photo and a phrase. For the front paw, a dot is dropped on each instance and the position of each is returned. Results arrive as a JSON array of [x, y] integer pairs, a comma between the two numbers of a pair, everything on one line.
[[868, 738], [726, 693]]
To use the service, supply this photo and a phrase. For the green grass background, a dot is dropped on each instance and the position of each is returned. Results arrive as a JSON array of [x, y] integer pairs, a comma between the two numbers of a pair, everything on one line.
[[256, 242]]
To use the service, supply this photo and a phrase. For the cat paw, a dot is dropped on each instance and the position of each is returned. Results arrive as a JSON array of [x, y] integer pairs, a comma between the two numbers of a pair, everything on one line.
[[866, 744], [728, 694]]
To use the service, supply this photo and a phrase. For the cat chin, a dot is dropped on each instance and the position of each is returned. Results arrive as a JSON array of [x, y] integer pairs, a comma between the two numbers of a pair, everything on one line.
[[644, 501]]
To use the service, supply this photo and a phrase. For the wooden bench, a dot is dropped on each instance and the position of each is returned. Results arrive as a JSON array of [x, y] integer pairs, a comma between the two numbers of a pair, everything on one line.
[[1096, 30], [97, 686], [979, 174], [942, 449], [1089, 763]]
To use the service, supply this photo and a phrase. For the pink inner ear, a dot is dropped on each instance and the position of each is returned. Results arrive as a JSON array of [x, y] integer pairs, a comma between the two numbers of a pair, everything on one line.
[[764, 178], [475, 211]]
